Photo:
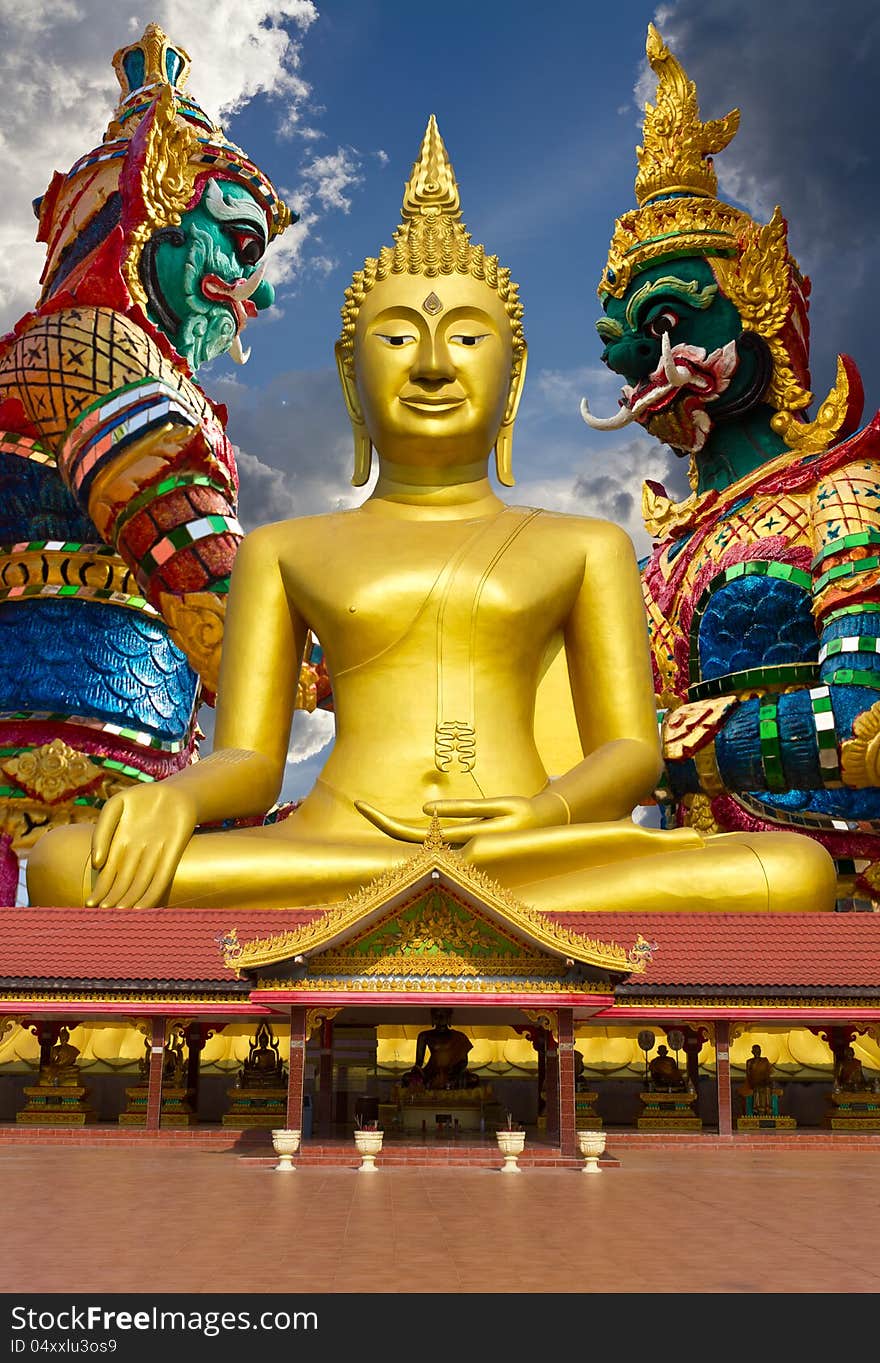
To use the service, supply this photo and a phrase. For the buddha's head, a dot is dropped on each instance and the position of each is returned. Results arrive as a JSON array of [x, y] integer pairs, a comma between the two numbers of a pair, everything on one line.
[[166, 217], [705, 308], [432, 356]]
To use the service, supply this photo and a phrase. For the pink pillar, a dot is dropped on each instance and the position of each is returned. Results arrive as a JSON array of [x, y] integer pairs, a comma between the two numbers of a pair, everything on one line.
[[325, 1080], [722, 1078], [8, 873], [567, 1115], [296, 1069], [154, 1089], [551, 1087]]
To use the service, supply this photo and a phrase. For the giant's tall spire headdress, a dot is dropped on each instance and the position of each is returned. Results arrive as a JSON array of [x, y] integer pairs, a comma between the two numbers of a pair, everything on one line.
[[158, 150], [679, 214]]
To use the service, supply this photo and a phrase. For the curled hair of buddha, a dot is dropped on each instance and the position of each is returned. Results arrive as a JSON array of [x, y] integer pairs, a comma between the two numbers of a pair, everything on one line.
[[432, 241]]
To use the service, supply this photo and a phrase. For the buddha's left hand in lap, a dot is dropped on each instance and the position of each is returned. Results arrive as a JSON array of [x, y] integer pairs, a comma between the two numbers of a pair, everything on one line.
[[505, 814]]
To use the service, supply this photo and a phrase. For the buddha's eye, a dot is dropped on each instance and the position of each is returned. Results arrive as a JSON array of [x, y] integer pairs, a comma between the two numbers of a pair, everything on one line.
[[662, 323], [463, 338], [395, 340]]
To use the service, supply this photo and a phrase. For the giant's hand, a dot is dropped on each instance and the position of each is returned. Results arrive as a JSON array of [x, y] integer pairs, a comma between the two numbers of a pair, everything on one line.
[[138, 841], [505, 814]]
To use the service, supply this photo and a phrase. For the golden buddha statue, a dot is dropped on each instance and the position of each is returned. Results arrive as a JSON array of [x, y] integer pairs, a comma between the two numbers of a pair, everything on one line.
[[61, 1069], [664, 1071], [850, 1076], [439, 609], [759, 1091], [447, 1050], [263, 1067]]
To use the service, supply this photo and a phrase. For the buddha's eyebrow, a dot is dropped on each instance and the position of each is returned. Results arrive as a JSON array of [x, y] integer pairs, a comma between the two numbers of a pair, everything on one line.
[[689, 292]]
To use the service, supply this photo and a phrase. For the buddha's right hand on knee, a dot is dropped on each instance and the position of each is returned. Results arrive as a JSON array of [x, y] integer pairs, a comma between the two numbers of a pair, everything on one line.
[[137, 844]]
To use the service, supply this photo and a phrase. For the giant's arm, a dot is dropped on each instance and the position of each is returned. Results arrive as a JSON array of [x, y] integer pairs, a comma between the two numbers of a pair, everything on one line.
[[142, 833], [262, 654], [809, 737], [145, 456]]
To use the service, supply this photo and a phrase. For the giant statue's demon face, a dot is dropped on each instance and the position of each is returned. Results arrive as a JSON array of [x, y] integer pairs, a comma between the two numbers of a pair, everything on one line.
[[680, 346], [204, 279]]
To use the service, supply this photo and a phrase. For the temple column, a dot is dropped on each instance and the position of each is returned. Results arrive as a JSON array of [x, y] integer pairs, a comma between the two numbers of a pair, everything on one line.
[[296, 1066], [195, 1044], [565, 1066], [551, 1085], [324, 1113], [722, 1078], [154, 1084]]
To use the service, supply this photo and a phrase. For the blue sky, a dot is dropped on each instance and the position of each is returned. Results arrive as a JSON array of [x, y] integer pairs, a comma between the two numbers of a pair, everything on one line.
[[538, 110]]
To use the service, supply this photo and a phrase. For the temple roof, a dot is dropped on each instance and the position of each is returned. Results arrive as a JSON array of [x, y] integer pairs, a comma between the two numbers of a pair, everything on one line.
[[133, 945], [688, 952], [766, 951]]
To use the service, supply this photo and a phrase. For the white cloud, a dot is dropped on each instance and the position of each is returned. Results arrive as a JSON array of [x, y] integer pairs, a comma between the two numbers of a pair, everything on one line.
[[583, 472], [327, 178], [240, 48], [647, 815], [310, 734], [284, 259]]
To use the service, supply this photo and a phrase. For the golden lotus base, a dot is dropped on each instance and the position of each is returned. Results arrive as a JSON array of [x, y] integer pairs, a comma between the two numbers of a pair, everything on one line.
[[669, 1112], [762, 1123], [56, 1105], [245, 1121], [856, 1111], [176, 1107], [586, 1118], [669, 1123], [256, 1107], [166, 1119]]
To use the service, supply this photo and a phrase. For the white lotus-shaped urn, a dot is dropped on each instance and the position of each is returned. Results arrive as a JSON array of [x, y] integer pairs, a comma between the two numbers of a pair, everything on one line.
[[285, 1143], [369, 1143], [592, 1144], [510, 1143]]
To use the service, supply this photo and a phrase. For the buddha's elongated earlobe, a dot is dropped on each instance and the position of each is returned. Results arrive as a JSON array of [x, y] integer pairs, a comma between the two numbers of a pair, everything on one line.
[[504, 442], [363, 456], [363, 447], [504, 455]]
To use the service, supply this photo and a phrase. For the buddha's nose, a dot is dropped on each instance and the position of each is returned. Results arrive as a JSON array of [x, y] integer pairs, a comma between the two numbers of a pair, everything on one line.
[[634, 357], [433, 361]]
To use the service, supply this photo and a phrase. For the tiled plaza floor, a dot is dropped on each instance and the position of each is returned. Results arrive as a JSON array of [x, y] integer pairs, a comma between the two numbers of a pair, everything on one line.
[[75, 1219]]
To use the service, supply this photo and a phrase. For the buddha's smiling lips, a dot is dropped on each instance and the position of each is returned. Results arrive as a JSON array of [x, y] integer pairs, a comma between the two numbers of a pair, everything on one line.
[[432, 405]]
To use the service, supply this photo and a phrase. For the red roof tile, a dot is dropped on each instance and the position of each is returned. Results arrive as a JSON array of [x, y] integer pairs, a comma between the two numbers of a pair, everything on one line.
[[691, 950], [134, 944], [797, 950]]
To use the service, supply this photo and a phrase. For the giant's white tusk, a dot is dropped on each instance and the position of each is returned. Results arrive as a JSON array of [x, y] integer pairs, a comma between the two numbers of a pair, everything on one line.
[[608, 423], [675, 375], [236, 354], [243, 288]]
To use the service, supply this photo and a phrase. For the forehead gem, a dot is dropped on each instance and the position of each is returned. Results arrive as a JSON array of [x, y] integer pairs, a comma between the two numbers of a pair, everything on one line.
[[432, 305]]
